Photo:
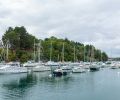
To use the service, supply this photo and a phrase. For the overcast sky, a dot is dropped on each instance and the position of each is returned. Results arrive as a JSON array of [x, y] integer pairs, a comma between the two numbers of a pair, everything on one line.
[[94, 22]]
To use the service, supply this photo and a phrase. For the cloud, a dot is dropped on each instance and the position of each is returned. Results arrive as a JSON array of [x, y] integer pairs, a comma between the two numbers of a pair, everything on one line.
[[88, 21]]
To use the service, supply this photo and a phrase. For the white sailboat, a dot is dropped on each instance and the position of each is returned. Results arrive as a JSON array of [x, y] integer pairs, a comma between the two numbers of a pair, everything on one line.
[[37, 66], [40, 67], [12, 67], [93, 66], [64, 69], [78, 68]]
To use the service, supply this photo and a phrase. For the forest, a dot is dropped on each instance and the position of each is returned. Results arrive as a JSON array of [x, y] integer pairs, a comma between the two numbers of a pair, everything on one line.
[[23, 46]]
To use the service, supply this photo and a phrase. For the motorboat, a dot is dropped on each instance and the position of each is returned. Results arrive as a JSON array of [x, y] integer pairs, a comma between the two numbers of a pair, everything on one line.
[[57, 72], [62, 71]]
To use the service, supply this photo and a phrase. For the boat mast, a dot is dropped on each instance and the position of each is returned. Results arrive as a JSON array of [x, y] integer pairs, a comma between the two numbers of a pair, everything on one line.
[[90, 50], [74, 55], [39, 51], [7, 53], [58, 57], [63, 53], [101, 55], [34, 50], [51, 52], [92, 54], [84, 52]]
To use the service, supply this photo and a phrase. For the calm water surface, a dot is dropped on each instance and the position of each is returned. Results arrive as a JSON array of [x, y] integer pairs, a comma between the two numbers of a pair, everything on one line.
[[100, 85]]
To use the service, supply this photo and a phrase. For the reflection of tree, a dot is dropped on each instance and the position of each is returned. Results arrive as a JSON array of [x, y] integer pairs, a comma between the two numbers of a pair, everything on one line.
[[19, 88], [24, 82]]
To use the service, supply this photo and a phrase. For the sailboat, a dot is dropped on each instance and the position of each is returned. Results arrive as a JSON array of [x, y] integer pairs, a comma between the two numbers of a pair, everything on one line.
[[93, 65], [64, 69], [101, 63], [37, 66], [40, 67], [50, 62], [78, 68], [11, 67]]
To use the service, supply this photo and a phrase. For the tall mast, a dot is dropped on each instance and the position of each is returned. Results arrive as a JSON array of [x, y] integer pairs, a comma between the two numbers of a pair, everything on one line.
[[58, 57], [92, 54], [84, 53], [39, 51], [34, 50], [51, 51], [7, 50], [63, 53], [74, 54], [90, 51], [101, 55]]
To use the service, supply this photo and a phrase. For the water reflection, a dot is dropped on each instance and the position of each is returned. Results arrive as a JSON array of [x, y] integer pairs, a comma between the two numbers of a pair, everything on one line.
[[39, 86], [18, 86]]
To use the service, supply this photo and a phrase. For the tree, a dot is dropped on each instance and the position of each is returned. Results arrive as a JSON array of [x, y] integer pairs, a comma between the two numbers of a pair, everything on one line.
[[19, 38], [22, 47]]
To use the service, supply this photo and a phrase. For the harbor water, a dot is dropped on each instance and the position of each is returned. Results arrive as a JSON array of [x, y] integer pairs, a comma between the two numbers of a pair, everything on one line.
[[99, 85]]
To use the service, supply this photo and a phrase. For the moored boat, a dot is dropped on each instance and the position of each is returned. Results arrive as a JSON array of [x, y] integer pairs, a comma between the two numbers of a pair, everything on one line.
[[78, 70], [94, 67], [12, 67]]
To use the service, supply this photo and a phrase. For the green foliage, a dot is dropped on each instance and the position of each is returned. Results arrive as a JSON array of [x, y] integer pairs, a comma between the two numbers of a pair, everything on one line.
[[82, 52], [12, 56], [19, 38], [24, 58], [22, 47]]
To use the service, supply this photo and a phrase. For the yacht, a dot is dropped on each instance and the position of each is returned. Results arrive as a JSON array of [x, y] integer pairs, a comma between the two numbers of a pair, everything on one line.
[[12, 67], [94, 67], [36, 66], [78, 70], [62, 71], [58, 72], [114, 66], [41, 68]]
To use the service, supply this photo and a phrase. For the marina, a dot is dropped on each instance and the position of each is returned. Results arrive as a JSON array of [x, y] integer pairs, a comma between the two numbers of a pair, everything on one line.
[[59, 50]]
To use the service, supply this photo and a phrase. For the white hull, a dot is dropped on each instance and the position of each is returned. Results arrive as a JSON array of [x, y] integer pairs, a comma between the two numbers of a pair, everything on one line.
[[78, 70], [41, 69], [10, 71]]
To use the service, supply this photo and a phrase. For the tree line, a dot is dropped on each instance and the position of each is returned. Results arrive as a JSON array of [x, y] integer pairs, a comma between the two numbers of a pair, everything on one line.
[[23, 46]]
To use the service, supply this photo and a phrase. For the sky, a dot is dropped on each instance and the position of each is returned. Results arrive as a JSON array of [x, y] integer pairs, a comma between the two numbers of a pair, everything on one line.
[[94, 22]]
